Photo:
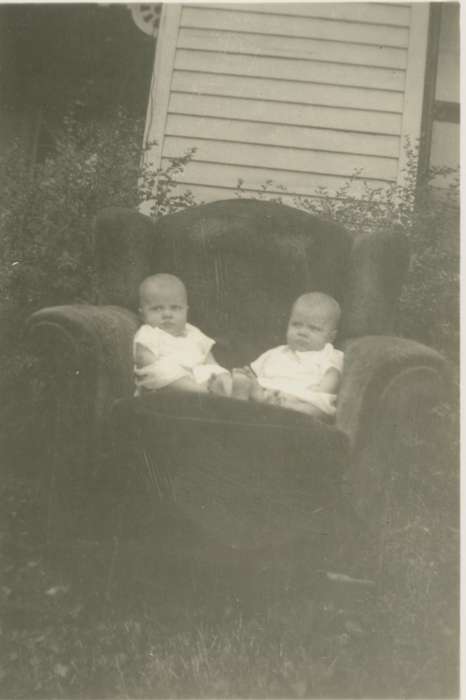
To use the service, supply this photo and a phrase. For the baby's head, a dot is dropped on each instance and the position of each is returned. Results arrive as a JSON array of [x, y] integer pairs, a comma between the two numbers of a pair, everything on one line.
[[313, 322], [163, 303]]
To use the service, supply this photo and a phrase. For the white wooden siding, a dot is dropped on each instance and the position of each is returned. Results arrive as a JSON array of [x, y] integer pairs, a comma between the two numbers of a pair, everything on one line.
[[365, 121], [299, 96], [378, 13], [292, 47], [296, 70], [281, 158], [299, 137], [331, 29], [289, 91]]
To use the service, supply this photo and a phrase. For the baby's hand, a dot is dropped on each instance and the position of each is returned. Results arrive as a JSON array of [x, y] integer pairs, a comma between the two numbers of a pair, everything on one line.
[[220, 384]]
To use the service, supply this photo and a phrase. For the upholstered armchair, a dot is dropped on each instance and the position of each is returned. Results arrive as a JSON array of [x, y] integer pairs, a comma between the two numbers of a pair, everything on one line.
[[245, 475]]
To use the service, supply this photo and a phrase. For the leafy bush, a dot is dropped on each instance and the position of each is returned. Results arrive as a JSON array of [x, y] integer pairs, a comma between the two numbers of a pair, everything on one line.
[[429, 306], [47, 209]]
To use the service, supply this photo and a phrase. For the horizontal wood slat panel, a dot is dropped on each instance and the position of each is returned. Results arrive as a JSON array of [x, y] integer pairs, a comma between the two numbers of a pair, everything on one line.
[[290, 47], [299, 100], [287, 91], [276, 112], [283, 135], [290, 69], [378, 13], [203, 17], [273, 158], [295, 183]]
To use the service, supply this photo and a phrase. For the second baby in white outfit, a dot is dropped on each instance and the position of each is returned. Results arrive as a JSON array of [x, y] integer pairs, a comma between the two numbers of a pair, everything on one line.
[[304, 374], [167, 350]]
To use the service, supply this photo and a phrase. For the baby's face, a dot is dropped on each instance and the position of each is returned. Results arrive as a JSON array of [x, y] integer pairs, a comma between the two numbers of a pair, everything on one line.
[[309, 328], [166, 308]]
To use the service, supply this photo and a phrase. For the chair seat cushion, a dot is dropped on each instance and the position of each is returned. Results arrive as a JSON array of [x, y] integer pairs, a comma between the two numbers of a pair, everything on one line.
[[248, 475]]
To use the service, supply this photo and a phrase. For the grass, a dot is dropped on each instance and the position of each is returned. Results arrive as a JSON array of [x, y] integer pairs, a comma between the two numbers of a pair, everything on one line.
[[133, 614]]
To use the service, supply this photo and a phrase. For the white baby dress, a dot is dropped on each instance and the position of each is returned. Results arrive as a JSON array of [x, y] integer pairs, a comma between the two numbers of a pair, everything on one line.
[[175, 357], [297, 373]]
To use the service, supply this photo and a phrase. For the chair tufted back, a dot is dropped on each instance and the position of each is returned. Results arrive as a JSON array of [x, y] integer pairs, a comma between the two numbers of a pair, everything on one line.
[[244, 262]]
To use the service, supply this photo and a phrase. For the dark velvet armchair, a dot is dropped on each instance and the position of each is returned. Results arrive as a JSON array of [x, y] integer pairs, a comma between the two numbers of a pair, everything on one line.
[[245, 475]]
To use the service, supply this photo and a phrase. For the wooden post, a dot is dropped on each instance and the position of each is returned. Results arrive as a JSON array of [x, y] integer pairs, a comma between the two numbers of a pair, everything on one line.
[[159, 96]]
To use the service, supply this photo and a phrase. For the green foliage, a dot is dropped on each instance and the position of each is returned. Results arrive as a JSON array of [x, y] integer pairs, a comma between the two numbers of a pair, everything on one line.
[[429, 307], [48, 208], [162, 182]]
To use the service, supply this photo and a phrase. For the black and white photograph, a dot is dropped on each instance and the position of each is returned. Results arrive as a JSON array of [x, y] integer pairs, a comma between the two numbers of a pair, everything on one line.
[[202, 204]]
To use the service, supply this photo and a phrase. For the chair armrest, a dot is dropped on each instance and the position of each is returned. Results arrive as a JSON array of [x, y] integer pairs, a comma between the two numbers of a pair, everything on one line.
[[371, 366], [390, 407], [87, 350]]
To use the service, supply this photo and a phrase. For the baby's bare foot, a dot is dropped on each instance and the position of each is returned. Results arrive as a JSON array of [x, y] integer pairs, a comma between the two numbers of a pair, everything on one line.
[[257, 393], [276, 398], [241, 386], [262, 395], [220, 384]]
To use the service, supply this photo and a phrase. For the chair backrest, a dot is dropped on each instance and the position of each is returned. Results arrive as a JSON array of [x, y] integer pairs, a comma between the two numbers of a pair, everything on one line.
[[244, 262]]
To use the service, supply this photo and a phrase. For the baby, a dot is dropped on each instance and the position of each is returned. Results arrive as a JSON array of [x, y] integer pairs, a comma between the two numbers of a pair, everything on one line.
[[168, 351], [303, 375]]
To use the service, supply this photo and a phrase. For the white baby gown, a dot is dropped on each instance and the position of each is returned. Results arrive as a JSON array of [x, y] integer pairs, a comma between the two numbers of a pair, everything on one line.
[[297, 373], [175, 357]]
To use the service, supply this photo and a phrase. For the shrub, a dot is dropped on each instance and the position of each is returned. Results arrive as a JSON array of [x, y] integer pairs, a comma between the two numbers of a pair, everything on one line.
[[48, 208]]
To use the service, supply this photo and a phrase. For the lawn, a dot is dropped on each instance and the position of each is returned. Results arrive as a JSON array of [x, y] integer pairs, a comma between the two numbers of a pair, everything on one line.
[[137, 612]]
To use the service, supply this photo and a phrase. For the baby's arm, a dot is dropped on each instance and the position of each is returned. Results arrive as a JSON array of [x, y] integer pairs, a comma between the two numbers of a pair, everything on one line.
[[144, 358], [330, 382], [210, 360]]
